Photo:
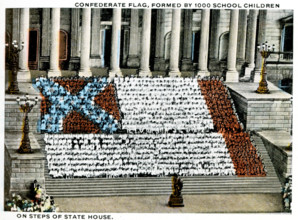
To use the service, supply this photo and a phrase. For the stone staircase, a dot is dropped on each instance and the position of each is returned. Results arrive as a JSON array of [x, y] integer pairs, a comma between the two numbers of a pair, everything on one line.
[[146, 186]]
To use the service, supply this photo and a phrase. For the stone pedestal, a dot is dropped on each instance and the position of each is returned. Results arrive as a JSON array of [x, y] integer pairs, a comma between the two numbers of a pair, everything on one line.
[[262, 111], [22, 169], [176, 201]]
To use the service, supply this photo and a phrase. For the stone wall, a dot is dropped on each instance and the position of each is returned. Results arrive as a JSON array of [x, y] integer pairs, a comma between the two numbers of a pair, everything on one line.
[[281, 159], [274, 115], [22, 169], [7, 173], [263, 114], [279, 72]]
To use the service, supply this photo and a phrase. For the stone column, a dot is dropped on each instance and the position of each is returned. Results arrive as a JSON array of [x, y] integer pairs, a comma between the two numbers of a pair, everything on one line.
[[85, 42], [232, 75], [24, 73], [241, 38], [215, 32], [204, 42], [187, 40], [159, 59], [55, 38], [96, 52], [251, 42], [175, 42], [116, 36], [75, 39], [261, 39], [133, 55], [145, 47], [45, 39]]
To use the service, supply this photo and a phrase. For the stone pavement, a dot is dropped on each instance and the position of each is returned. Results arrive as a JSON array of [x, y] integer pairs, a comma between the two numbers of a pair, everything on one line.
[[210, 203]]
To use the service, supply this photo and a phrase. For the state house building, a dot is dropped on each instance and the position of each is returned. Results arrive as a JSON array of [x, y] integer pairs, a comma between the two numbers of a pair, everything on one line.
[[170, 41]]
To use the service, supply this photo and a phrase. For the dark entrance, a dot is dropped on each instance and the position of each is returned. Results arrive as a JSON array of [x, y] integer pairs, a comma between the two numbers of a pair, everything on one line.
[[106, 56], [195, 46], [33, 50]]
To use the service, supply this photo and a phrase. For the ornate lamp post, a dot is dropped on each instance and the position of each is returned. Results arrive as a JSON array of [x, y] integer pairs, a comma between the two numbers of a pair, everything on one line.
[[265, 52], [13, 62], [26, 107]]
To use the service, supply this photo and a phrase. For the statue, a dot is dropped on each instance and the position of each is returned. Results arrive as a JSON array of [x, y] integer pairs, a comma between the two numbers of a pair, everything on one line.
[[176, 199]]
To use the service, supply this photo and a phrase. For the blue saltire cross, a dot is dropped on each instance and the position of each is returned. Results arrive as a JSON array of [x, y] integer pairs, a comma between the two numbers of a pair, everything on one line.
[[63, 102]]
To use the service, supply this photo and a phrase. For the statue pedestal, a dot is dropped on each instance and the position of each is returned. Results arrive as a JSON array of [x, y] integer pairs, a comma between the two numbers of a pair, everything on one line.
[[176, 201]]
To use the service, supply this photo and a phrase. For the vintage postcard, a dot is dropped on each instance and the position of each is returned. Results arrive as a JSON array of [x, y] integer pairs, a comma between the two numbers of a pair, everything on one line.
[[136, 109]]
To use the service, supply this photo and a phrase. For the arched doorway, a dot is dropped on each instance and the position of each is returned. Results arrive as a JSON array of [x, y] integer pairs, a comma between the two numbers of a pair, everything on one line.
[[223, 46], [64, 50]]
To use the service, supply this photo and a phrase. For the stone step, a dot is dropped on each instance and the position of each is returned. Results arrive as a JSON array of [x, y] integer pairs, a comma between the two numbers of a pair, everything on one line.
[[160, 183], [163, 179], [62, 194]]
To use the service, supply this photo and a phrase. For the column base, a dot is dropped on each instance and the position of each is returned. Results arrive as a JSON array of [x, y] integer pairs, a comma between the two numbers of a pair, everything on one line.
[[95, 62], [54, 73], [187, 65], [114, 73], [257, 76], [202, 73], [174, 73], [85, 73], [160, 64], [24, 76], [247, 72], [144, 73], [133, 61], [232, 76]]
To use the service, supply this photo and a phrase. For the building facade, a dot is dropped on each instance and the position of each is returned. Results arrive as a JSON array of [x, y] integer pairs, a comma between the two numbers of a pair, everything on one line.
[[170, 40]]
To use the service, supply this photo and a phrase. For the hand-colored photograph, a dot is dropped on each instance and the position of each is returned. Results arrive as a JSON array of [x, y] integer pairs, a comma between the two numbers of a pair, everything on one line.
[[148, 110]]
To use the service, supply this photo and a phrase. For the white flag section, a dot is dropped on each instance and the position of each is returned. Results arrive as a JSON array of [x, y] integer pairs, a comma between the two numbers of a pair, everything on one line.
[[162, 105], [123, 155]]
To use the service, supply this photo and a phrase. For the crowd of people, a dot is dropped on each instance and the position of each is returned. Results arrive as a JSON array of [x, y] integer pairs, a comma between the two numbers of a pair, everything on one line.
[[158, 105], [37, 201], [123, 155], [153, 119], [58, 102], [245, 157]]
